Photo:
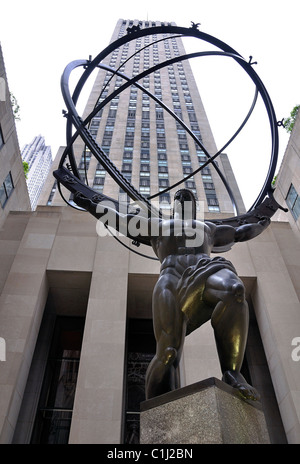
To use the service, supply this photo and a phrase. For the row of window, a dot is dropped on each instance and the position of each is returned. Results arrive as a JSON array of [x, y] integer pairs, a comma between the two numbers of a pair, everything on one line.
[[293, 199], [3, 191], [209, 188], [130, 128], [163, 171], [99, 177], [52, 193], [163, 179], [1, 139]]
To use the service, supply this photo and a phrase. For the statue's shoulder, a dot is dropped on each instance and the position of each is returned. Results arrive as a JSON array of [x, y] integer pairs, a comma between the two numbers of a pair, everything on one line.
[[211, 226]]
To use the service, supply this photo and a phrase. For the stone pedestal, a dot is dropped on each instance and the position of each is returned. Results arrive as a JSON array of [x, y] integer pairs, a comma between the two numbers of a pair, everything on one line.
[[207, 412]]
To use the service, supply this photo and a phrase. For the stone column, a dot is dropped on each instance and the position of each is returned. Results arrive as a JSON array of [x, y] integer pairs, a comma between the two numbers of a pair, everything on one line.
[[97, 410], [25, 245]]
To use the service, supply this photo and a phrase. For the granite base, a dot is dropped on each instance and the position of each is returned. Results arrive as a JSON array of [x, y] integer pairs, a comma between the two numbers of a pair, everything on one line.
[[207, 412]]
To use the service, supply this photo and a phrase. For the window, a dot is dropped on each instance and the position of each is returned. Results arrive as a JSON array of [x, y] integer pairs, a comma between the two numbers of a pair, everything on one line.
[[293, 202], [212, 200], [161, 145], [98, 188], [145, 167], [190, 184], [6, 189], [145, 190], [208, 185], [163, 182], [187, 169], [129, 143], [161, 155], [53, 190], [112, 113], [1, 139], [106, 141], [163, 174], [164, 199], [99, 181], [100, 173], [162, 168], [145, 154], [214, 209], [144, 182], [185, 157], [82, 174]]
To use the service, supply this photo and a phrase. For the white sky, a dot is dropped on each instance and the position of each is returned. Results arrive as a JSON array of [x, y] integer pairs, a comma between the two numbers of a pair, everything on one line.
[[40, 38]]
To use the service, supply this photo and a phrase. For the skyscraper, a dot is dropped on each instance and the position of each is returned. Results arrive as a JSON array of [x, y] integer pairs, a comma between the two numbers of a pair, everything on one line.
[[39, 158], [150, 147]]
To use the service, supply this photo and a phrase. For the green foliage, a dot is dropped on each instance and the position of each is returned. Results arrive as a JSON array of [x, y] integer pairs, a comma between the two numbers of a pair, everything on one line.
[[290, 121], [26, 168], [15, 107]]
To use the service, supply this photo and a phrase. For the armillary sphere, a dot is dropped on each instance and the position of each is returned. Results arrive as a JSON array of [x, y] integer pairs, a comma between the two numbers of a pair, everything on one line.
[[67, 173]]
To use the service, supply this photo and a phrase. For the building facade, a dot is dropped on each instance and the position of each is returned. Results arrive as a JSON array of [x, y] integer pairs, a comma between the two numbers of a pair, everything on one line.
[[13, 189], [75, 307], [288, 180]]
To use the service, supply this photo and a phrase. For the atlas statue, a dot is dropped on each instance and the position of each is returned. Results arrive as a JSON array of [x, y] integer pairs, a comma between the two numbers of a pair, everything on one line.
[[192, 287]]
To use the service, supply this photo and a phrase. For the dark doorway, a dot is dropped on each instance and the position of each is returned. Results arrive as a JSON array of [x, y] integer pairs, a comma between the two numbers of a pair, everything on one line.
[[140, 351], [54, 413]]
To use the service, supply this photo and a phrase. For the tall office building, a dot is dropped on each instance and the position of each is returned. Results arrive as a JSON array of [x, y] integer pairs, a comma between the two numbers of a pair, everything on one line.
[[150, 148], [75, 307], [39, 158]]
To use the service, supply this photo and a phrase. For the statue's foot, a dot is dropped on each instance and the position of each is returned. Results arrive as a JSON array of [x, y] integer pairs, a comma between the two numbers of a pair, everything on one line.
[[236, 380]]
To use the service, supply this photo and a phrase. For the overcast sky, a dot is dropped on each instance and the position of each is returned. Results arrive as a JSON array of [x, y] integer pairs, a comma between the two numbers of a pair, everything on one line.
[[39, 38]]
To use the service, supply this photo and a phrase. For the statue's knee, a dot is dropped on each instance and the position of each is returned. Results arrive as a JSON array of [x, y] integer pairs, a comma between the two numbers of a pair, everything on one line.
[[235, 292], [169, 355], [238, 292]]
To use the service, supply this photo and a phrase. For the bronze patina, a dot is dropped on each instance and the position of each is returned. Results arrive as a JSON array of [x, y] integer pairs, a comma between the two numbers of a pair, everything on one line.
[[192, 287]]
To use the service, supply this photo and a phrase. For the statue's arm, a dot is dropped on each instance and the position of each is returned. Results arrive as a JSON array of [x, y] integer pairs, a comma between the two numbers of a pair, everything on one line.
[[226, 235], [249, 231], [107, 213]]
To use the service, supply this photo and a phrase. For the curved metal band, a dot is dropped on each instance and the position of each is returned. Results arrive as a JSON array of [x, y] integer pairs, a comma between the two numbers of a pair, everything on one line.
[[73, 117], [133, 81]]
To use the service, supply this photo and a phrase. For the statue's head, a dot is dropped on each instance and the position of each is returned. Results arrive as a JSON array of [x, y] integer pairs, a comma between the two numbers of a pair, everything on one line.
[[184, 202]]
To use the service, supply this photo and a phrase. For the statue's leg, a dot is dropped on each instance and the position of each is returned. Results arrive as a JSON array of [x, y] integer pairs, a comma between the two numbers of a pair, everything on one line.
[[230, 320], [169, 330]]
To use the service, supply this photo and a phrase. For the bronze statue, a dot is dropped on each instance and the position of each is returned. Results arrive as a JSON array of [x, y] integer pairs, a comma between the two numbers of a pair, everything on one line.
[[192, 288]]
